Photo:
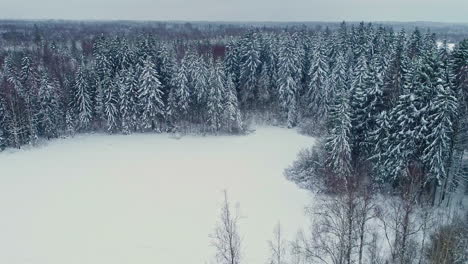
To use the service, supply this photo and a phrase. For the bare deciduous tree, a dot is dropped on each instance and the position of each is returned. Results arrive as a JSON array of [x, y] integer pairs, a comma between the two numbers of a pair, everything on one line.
[[226, 238], [374, 251], [333, 235], [401, 226], [365, 213], [278, 247]]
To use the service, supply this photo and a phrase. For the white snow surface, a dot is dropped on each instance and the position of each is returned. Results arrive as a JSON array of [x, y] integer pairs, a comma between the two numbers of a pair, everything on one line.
[[146, 198]]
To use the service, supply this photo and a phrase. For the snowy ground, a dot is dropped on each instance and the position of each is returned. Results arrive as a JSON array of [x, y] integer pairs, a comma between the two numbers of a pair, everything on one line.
[[100, 199]]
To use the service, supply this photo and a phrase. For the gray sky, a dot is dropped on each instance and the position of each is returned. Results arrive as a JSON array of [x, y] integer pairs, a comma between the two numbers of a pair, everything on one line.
[[239, 10]]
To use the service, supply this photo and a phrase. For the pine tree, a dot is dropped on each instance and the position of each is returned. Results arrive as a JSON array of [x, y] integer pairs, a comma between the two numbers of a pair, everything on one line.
[[181, 99], [445, 62], [415, 45], [367, 103], [232, 61], [318, 93], [164, 64], [27, 88], [200, 76], [394, 75], [150, 96], [82, 103], [264, 87], [3, 125], [215, 99], [380, 142], [360, 82], [338, 142], [110, 103], [128, 100], [289, 77], [444, 110], [404, 136], [250, 63], [48, 108], [70, 125], [306, 50], [14, 127], [231, 107], [338, 76], [460, 68], [102, 79]]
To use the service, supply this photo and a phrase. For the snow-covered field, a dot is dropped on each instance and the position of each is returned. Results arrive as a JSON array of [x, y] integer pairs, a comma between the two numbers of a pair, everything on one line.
[[100, 199]]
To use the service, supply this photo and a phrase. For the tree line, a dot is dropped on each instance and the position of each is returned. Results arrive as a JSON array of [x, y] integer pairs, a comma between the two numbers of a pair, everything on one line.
[[389, 106]]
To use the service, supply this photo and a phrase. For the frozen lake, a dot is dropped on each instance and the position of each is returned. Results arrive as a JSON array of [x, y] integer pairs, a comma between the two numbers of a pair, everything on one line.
[[145, 198]]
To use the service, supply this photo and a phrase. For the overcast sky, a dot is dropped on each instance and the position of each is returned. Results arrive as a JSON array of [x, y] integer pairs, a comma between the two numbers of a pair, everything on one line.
[[239, 10]]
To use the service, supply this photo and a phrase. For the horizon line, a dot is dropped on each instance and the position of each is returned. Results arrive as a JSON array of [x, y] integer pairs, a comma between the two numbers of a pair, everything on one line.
[[227, 21]]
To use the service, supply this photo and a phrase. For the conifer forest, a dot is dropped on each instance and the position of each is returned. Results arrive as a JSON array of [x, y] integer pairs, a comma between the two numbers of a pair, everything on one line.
[[384, 107]]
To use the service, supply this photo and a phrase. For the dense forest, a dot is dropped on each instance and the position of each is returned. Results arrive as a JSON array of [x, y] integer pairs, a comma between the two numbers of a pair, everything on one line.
[[389, 107]]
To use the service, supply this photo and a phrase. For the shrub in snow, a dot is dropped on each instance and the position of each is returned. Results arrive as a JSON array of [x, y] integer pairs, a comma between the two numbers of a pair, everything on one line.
[[308, 169]]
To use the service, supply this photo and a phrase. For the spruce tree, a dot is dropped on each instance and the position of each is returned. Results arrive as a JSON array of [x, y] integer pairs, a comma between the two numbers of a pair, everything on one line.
[[128, 100], [250, 63], [110, 104], [70, 125], [264, 88], [27, 88], [338, 142], [200, 76], [215, 99], [3, 125], [318, 91], [460, 69], [232, 61], [48, 115], [444, 110], [82, 102], [181, 90], [232, 112], [394, 75], [150, 95], [289, 78]]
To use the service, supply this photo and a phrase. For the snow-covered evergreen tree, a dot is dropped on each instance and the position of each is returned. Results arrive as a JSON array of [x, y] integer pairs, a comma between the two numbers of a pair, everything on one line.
[[403, 143], [164, 64], [264, 87], [128, 100], [444, 111], [14, 126], [338, 142], [394, 75], [110, 103], [82, 103], [460, 68], [3, 125], [367, 104], [232, 61], [232, 112], [318, 91], [150, 96], [250, 63], [181, 91], [27, 89], [70, 125], [289, 78], [200, 76], [215, 106], [48, 115]]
